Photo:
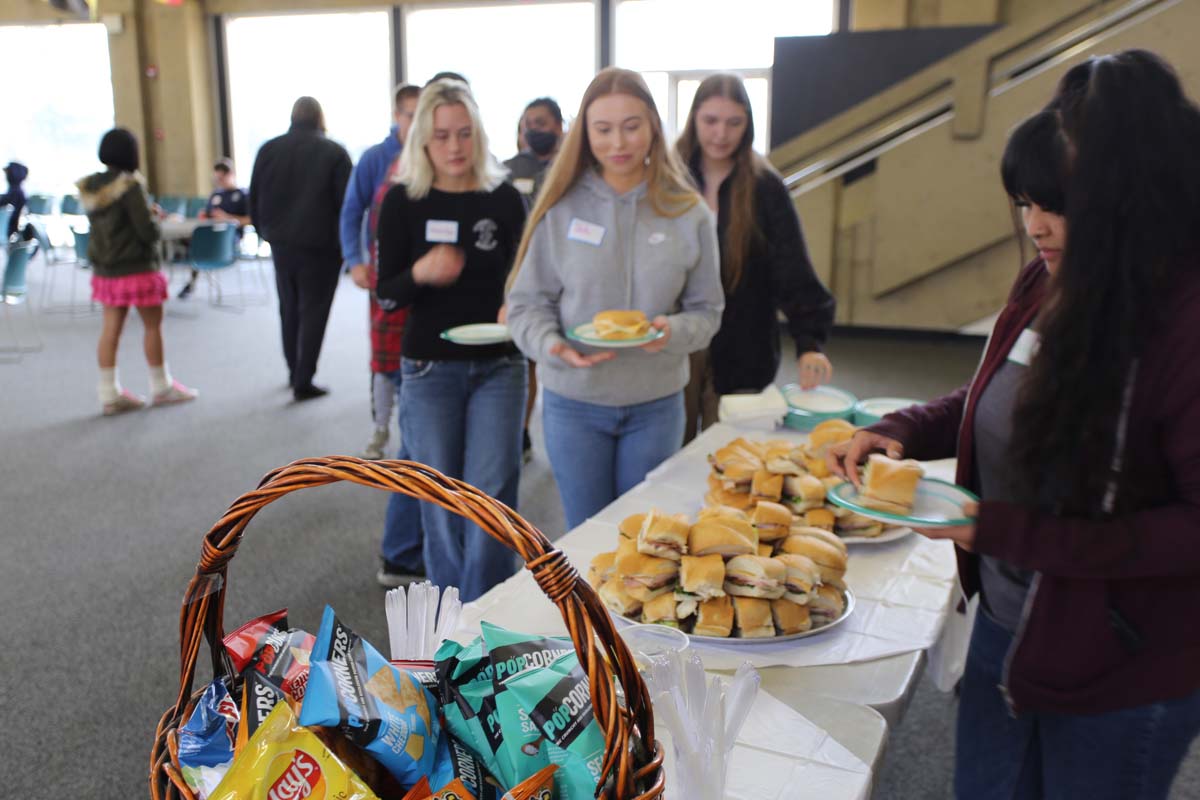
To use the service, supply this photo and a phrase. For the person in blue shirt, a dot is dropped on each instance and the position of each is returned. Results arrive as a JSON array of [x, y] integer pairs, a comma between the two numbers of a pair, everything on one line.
[[227, 203]]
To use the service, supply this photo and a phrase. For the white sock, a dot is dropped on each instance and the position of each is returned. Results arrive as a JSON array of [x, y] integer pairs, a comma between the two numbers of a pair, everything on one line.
[[160, 379], [384, 390], [109, 387]]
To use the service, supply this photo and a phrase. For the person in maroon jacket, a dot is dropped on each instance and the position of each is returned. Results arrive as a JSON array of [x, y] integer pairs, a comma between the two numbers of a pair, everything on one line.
[[1081, 433]]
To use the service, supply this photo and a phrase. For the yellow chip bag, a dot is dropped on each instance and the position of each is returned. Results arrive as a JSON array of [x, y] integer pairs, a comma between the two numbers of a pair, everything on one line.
[[283, 761], [454, 790]]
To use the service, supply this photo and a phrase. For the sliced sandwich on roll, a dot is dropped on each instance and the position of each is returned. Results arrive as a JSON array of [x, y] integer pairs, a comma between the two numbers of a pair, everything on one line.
[[753, 617], [631, 526], [663, 535], [890, 485], [831, 539], [724, 536], [617, 600], [830, 561], [602, 569], [718, 495], [826, 605], [621, 324], [802, 577], [851, 524], [661, 610], [755, 576], [820, 518], [766, 486], [771, 520], [803, 492], [701, 578], [790, 618], [714, 617], [777, 459], [646, 577]]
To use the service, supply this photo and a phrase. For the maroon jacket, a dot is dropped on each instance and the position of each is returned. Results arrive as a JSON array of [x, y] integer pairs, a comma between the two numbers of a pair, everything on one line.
[[1113, 619]]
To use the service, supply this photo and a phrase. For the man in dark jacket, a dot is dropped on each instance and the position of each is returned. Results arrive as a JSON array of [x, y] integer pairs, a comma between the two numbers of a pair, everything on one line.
[[296, 192]]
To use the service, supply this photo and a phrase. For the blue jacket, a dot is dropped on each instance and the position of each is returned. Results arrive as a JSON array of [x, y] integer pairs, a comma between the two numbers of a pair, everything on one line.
[[368, 173]]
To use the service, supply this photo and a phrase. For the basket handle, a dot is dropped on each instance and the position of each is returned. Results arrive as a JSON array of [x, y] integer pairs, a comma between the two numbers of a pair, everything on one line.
[[588, 622]]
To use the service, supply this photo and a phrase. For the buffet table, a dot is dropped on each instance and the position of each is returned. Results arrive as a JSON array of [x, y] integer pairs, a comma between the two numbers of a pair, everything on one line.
[[904, 592]]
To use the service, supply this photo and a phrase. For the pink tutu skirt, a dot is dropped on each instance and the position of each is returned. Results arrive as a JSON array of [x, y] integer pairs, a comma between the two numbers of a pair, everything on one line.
[[140, 289]]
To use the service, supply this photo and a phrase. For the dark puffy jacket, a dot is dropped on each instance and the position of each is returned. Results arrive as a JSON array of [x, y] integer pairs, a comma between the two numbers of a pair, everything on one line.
[[124, 234], [297, 187]]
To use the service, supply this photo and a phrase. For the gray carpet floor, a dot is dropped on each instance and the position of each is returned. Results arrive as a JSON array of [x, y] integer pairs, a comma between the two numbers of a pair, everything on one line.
[[101, 522]]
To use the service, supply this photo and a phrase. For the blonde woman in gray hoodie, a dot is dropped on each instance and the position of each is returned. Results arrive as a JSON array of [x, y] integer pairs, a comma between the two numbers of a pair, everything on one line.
[[617, 226]]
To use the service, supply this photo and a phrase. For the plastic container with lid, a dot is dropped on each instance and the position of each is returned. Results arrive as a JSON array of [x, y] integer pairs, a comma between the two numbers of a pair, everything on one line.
[[808, 408], [873, 409]]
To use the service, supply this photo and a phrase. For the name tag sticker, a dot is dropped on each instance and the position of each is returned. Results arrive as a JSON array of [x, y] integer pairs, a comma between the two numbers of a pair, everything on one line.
[[1025, 348], [441, 230], [586, 232], [523, 185]]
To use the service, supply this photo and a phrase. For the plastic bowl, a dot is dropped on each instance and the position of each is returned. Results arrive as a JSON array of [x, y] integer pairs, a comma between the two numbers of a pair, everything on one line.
[[647, 641], [873, 409], [807, 409]]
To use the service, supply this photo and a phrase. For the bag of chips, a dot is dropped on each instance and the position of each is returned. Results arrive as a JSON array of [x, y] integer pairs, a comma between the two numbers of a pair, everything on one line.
[[513, 654], [537, 787], [420, 792], [268, 647], [559, 702], [468, 704], [379, 707], [455, 790], [260, 695], [284, 761], [206, 741]]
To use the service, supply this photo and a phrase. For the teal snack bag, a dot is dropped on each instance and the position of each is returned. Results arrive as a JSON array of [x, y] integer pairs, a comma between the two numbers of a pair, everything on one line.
[[512, 654], [560, 705], [377, 706], [465, 684]]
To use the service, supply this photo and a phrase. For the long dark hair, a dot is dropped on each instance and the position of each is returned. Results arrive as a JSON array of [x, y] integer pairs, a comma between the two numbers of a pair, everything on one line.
[[1132, 205], [741, 232]]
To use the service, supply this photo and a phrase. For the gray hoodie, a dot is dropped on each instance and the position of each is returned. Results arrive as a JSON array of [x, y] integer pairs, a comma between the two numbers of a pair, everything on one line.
[[596, 250]]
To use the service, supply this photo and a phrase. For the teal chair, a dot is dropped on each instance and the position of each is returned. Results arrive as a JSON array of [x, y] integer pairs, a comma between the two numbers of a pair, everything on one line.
[[41, 205], [14, 291], [5, 215], [195, 205], [214, 249], [173, 204], [71, 207]]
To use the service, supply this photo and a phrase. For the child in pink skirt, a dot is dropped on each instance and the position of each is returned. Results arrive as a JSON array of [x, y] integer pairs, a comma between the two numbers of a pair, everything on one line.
[[123, 250]]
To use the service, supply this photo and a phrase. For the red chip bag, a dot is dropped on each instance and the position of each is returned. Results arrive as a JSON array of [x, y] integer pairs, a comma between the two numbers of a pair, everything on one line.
[[420, 792], [247, 641], [268, 647]]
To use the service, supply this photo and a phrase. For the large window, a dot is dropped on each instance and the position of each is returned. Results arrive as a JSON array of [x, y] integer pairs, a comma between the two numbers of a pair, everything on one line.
[[343, 60], [676, 43], [58, 102], [511, 53]]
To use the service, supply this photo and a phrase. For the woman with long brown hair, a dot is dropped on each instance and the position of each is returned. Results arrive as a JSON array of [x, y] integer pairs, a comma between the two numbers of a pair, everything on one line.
[[764, 263], [616, 226]]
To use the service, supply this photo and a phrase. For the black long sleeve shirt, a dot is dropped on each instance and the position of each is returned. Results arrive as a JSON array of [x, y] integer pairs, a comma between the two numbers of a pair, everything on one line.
[[486, 226]]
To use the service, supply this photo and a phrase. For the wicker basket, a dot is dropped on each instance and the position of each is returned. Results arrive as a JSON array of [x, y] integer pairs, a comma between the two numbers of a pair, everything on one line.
[[631, 770]]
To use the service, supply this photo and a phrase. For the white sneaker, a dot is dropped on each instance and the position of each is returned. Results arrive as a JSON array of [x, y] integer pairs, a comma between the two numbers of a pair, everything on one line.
[[126, 401], [175, 393], [374, 449]]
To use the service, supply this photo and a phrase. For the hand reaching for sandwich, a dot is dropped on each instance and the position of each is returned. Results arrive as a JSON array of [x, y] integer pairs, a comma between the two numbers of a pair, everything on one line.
[[663, 324], [843, 459], [961, 535], [576, 359], [441, 266]]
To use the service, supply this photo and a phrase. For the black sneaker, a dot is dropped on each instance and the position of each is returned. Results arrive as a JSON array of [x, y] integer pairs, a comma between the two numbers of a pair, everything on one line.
[[526, 447], [186, 290], [391, 576]]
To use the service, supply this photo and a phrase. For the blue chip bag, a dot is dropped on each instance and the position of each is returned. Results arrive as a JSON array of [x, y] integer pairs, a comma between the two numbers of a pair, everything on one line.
[[206, 741], [468, 704], [377, 706]]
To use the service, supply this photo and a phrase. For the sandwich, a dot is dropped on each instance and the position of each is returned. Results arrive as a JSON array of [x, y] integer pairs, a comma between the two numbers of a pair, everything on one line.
[[631, 526], [827, 434], [722, 511], [766, 549], [702, 576], [802, 576], [753, 618], [803, 492], [830, 561], [790, 618], [778, 461], [617, 600], [620, 324], [825, 605], [890, 485], [663, 535], [602, 569], [755, 576], [771, 520], [819, 533], [765, 486], [819, 518], [661, 610], [646, 577], [815, 464], [719, 496], [737, 462], [724, 536], [714, 617], [852, 524]]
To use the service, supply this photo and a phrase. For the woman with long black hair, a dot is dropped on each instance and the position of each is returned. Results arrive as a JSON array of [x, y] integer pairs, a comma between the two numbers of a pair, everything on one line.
[[1081, 434], [764, 263]]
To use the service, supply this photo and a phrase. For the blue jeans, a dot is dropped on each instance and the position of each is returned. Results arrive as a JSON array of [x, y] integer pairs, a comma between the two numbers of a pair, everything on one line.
[[1131, 754], [402, 540], [600, 452], [464, 419]]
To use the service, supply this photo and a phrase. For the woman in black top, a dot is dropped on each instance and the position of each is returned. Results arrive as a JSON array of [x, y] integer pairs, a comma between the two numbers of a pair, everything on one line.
[[447, 233], [764, 263]]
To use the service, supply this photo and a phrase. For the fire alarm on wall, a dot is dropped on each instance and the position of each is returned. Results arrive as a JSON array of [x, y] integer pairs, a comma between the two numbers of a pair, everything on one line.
[[159, 134], [152, 71]]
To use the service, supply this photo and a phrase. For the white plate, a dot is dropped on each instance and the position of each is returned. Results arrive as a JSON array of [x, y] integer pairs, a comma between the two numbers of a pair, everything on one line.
[[586, 333], [480, 333], [847, 595], [937, 504], [889, 535]]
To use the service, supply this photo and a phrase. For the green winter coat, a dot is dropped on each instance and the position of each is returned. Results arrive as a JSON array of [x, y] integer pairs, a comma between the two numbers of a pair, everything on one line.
[[124, 234]]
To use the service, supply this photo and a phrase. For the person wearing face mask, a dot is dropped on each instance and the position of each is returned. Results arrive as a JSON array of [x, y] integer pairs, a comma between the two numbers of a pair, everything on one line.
[[1081, 434], [541, 130], [617, 226], [764, 263], [447, 233]]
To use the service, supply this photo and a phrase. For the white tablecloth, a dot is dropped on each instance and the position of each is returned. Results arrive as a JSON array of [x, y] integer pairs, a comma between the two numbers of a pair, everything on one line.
[[903, 588]]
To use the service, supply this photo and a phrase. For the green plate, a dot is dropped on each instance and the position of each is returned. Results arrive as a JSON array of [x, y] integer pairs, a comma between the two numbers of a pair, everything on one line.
[[481, 333], [936, 504], [586, 333]]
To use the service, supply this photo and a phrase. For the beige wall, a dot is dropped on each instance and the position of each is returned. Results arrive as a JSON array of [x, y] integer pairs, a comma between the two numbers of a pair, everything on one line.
[[867, 15]]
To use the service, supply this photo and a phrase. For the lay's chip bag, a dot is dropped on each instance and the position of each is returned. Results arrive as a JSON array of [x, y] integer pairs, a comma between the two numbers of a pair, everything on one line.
[[284, 761], [381, 708], [559, 702], [513, 654]]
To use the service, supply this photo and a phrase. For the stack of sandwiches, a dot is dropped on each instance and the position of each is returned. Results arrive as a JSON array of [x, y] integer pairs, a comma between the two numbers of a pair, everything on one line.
[[621, 324]]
